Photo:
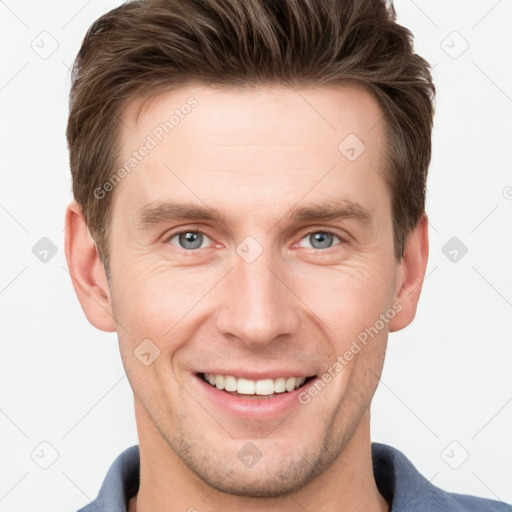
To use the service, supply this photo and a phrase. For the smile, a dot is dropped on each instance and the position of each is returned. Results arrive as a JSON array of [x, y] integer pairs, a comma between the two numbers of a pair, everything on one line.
[[247, 388]]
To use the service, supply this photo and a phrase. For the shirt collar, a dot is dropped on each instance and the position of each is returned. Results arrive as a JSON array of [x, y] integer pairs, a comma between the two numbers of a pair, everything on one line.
[[397, 480]]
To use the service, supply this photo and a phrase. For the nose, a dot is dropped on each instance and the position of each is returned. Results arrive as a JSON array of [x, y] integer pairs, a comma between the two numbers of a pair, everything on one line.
[[258, 307]]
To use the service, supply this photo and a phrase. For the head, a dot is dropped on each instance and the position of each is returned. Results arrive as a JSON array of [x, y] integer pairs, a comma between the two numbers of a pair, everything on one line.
[[249, 182]]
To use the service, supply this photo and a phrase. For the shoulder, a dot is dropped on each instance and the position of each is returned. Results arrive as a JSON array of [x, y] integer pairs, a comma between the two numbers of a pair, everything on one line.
[[468, 503], [120, 484], [409, 491]]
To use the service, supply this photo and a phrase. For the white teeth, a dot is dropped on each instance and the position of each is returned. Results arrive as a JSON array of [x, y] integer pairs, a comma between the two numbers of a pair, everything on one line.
[[290, 383], [229, 383], [219, 381], [280, 385], [245, 386], [262, 387]]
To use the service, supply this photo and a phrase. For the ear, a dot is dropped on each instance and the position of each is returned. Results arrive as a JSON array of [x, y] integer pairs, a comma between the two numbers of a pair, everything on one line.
[[87, 271], [410, 275]]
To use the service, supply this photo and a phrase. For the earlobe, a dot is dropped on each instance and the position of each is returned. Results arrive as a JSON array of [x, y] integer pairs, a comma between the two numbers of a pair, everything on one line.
[[411, 275], [87, 271]]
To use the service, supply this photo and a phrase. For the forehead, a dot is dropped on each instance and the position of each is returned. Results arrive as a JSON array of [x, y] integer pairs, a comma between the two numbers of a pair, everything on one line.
[[260, 110], [263, 141]]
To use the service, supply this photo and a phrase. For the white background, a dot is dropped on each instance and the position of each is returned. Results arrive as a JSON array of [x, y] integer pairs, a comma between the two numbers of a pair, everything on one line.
[[447, 377]]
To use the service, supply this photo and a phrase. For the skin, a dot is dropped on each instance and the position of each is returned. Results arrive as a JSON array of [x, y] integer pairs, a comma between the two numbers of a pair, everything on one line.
[[254, 155]]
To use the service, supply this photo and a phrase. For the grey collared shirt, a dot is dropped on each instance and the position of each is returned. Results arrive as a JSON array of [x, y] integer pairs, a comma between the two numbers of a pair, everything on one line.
[[397, 480]]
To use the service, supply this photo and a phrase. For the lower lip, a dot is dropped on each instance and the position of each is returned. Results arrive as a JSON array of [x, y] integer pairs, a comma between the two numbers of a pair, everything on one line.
[[276, 406]]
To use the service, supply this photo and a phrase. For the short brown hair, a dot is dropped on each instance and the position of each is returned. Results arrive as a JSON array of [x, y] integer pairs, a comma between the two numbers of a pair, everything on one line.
[[145, 47]]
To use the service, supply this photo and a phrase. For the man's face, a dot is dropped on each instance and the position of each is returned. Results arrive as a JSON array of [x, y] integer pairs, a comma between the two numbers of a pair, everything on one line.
[[264, 288]]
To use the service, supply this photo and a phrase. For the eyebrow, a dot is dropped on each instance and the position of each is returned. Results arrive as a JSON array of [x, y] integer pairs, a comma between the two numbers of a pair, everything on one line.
[[346, 209], [159, 212]]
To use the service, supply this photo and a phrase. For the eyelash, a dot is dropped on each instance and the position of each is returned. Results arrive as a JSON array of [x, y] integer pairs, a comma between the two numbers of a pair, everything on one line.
[[313, 231]]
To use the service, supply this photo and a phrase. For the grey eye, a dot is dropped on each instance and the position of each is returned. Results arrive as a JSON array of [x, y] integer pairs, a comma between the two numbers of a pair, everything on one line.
[[189, 240], [320, 239]]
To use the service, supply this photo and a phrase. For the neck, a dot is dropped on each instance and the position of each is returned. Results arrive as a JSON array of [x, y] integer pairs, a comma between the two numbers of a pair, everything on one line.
[[167, 485]]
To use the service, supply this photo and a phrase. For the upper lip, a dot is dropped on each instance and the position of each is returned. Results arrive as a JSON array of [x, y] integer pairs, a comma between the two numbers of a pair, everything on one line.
[[252, 375]]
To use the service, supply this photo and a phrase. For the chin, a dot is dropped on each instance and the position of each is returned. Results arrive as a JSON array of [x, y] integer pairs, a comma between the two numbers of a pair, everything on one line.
[[260, 483], [271, 477]]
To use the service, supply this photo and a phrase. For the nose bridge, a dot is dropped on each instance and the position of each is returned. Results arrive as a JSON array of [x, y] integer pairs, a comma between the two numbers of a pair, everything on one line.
[[257, 307]]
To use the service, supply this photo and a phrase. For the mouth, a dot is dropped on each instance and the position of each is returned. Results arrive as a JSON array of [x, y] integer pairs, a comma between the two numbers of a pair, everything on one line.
[[255, 389]]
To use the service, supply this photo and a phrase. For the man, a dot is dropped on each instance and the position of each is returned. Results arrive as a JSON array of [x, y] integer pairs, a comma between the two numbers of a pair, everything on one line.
[[249, 217]]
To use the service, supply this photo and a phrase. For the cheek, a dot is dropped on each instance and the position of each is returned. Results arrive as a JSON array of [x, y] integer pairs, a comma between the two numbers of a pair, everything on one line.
[[347, 299], [152, 306], [153, 299]]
